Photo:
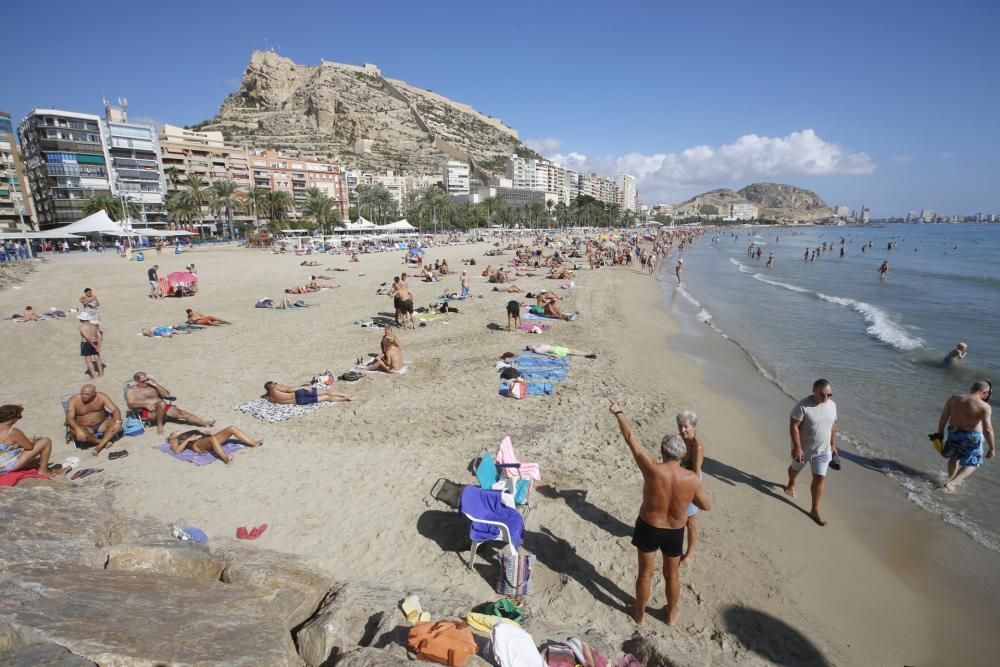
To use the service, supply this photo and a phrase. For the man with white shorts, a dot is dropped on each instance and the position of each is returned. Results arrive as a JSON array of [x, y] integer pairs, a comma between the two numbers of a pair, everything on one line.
[[813, 430]]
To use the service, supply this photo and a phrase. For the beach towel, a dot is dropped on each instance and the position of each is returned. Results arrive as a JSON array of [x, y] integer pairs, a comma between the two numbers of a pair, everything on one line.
[[528, 327], [12, 478], [507, 455], [573, 652], [514, 647], [446, 299], [229, 447], [557, 374], [534, 389], [272, 413], [484, 504], [363, 368]]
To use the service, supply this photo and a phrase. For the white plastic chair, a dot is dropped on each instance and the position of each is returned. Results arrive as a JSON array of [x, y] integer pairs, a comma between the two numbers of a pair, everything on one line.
[[504, 537]]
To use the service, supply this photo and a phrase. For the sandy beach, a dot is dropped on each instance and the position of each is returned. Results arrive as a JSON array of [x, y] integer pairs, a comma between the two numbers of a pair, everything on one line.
[[349, 486]]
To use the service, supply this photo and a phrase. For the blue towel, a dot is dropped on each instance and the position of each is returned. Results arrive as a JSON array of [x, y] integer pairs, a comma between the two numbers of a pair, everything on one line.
[[557, 374], [534, 388], [484, 504], [530, 359]]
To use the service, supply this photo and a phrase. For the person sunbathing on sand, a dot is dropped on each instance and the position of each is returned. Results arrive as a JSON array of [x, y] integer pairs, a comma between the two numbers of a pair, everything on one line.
[[550, 308], [667, 492], [29, 315], [203, 442], [283, 394], [391, 359], [152, 400], [558, 351], [313, 263], [512, 288], [158, 332], [285, 303], [194, 317]]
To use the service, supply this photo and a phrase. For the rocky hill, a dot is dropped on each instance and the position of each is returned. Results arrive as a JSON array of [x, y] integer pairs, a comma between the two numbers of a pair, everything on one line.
[[355, 116], [771, 201]]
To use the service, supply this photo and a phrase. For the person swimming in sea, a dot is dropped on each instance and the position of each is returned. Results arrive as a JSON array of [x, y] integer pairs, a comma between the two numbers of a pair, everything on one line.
[[956, 354]]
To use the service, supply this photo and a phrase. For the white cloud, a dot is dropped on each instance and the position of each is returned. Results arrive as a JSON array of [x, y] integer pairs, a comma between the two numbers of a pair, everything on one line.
[[545, 145], [902, 159], [670, 176]]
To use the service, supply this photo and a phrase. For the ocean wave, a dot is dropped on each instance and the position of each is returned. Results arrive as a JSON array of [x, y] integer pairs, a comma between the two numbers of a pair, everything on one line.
[[742, 267], [704, 316], [793, 288], [880, 324], [687, 295]]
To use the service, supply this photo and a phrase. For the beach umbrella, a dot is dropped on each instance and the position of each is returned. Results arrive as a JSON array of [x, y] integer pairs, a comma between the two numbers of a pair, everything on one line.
[[182, 278]]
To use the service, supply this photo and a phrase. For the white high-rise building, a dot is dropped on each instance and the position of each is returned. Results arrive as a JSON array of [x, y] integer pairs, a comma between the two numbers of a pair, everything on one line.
[[134, 163], [742, 212], [523, 173], [456, 177], [628, 193], [927, 215]]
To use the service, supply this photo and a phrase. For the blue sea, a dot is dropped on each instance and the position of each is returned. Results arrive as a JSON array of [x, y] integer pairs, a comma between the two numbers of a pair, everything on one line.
[[881, 342]]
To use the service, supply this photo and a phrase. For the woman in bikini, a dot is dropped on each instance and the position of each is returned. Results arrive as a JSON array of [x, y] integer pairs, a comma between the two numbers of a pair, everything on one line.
[[17, 451], [203, 442]]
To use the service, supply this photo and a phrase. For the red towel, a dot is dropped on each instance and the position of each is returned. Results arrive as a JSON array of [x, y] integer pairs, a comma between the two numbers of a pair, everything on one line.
[[12, 478]]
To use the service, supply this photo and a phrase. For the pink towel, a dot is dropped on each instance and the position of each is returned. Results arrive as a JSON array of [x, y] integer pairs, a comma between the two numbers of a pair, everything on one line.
[[507, 455]]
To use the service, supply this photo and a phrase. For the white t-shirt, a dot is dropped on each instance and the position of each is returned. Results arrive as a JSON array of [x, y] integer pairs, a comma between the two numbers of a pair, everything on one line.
[[817, 420]]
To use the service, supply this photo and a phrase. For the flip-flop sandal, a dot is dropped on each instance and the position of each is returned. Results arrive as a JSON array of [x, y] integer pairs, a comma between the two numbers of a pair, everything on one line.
[[257, 532], [117, 455], [241, 533], [86, 472]]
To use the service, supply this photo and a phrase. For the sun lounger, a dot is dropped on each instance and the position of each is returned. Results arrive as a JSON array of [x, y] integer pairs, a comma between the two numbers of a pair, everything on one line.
[[272, 413]]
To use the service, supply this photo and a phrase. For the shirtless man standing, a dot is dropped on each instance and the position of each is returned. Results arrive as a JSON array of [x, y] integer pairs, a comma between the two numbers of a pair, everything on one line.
[[405, 302], [90, 345], [677, 270], [91, 412], [303, 395], [152, 401], [667, 491], [969, 421]]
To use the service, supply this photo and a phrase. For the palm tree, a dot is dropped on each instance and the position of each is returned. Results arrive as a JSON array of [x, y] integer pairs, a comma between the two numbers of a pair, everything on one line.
[[173, 175], [225, 197], [279, 203], [111, 205], [319, 207], [196, 193], [435, 202], [378, 200], [179, 208], [258, 200]]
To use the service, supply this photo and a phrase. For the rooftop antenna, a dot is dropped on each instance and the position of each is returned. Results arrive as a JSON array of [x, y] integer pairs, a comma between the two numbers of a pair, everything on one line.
[[123, 103]]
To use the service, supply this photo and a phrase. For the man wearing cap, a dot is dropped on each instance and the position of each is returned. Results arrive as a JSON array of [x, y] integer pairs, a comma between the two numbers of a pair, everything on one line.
[[90, 345]]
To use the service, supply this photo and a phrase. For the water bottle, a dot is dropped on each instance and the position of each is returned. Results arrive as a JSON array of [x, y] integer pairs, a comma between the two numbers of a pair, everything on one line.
[[181, 529]]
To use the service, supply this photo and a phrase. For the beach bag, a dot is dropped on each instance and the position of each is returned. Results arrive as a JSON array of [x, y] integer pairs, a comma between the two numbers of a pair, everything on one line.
[[515, 574], [445, 642], [133, 426], [518, 389]]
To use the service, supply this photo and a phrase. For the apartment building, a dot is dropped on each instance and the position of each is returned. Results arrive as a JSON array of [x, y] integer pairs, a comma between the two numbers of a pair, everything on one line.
[[456, 177], [66, 163], [134, 163], [544, 176], [15, 204], [628, 193], [186, 153], [742, 212], [600, 188], [273, 170]]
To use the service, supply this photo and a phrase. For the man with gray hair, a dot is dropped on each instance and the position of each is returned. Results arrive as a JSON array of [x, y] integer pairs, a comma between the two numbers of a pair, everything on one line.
[[667, 490], [969, 419]]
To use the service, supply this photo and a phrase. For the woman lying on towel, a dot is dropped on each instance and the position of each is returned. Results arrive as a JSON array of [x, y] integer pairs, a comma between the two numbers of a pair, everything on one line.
[[285, 303], [203, 442], [559, 351]]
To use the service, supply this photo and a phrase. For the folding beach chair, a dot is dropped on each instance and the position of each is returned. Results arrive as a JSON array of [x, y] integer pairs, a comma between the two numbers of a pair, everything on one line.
[[471, 493], [515, 469], [488, 475], [134, 413], [64, 402]]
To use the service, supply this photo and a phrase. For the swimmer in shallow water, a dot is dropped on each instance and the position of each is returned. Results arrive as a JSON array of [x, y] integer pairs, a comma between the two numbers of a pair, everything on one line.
[[957, 354]]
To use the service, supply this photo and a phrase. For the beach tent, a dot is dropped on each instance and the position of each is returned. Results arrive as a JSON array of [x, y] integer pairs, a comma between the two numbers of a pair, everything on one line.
[[95, 223], [20, 236], [399, 225], [162, 232]]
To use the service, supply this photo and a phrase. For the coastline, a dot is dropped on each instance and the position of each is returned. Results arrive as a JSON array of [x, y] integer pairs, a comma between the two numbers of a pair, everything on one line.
[[349, 485], [897, 556]]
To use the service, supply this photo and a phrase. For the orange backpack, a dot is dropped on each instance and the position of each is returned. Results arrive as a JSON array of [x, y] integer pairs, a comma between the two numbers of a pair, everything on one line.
[[445, 642]]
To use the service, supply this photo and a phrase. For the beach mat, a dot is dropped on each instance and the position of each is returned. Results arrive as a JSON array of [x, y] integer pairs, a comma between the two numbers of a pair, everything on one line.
[[528, 327], [532, 316], [534, 388], [363, 368], [229, 447], [272, 413]]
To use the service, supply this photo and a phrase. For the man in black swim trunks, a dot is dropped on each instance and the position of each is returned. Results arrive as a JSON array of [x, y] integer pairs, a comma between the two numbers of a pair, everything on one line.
[[301, 395], [513, 315], [667, 490]]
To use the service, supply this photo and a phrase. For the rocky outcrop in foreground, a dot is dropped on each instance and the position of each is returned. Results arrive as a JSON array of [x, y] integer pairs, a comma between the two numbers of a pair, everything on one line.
[[82, 584]]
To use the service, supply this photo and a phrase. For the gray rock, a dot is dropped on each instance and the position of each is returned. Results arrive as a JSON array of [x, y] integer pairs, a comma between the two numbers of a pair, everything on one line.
[[362, 615], [42, 655], [46, 512], [289, 587], [129, 618], [184, 559], [372, 657], [53, 553]]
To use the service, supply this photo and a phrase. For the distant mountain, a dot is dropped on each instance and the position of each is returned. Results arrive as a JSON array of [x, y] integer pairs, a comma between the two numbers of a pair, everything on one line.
[[772, 201], [355, 116]]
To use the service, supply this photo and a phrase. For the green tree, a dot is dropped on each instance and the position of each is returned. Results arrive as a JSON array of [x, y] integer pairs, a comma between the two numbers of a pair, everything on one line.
[[179, 208], [377, 201], [279, 203], [320, 208], [196, 193], [225, 197], [173, 175], [112, 205], [258, 201]]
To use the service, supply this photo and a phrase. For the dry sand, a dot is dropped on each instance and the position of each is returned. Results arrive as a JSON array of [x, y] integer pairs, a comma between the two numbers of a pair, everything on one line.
[[350, 485]]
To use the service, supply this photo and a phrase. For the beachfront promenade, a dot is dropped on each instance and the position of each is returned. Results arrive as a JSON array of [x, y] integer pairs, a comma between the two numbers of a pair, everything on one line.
[[348, 486]]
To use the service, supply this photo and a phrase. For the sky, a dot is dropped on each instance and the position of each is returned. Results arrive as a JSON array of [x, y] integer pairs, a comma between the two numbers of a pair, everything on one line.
[[891, 105]]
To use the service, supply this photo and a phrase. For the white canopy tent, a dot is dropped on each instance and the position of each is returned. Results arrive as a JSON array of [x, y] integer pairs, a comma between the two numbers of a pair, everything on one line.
[[95, 223], [35, 235], [399, 226], [361, 225]]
